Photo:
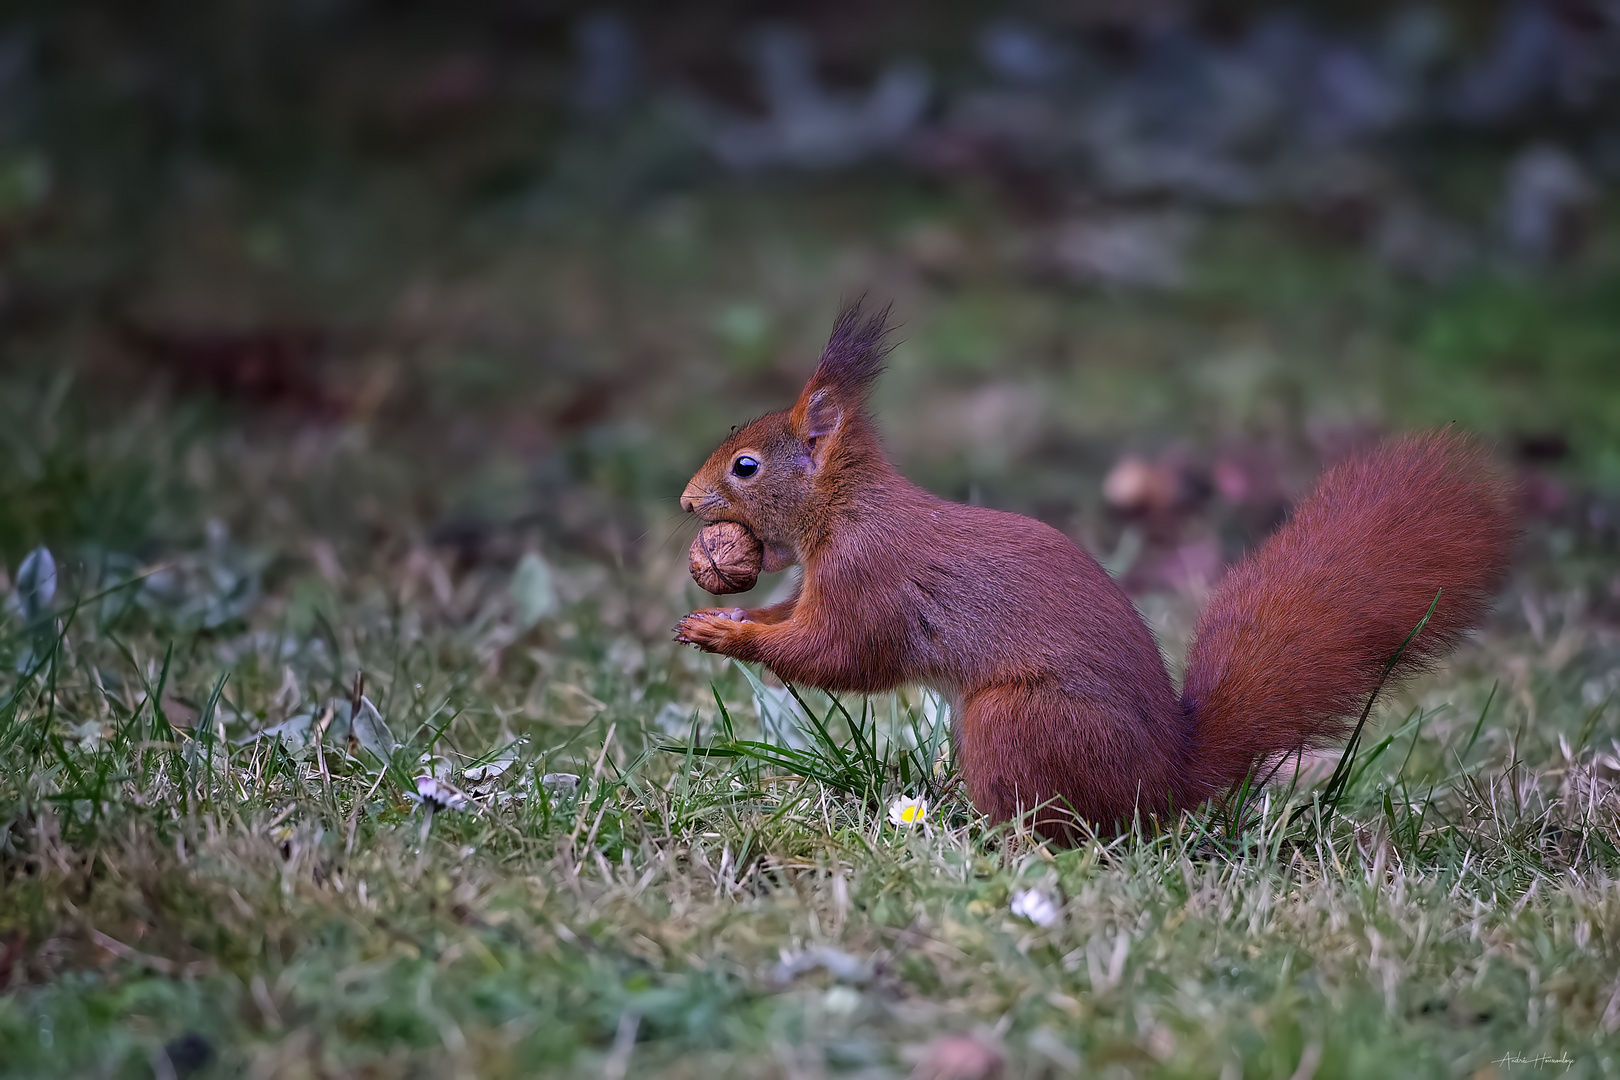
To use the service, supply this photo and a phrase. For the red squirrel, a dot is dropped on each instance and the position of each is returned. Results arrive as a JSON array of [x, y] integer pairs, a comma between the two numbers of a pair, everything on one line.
[[1060, 698]]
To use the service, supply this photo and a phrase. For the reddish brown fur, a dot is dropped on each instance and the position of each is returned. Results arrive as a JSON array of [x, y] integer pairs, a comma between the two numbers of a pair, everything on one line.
[[1297, 634], [1060, 693]]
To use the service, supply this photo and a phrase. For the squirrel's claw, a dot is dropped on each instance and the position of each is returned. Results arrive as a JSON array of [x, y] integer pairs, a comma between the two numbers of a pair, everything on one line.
[[708, 629]]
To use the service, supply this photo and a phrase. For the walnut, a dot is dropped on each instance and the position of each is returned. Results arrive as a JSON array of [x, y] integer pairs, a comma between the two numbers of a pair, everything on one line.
[[726, 558]]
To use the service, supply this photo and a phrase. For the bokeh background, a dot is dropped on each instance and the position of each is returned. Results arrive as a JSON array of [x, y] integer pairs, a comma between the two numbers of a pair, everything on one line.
[[409, 290]]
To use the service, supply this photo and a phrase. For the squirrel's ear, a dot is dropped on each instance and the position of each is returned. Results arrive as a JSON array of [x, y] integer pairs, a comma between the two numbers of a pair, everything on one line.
[[836, 394], [822, 416], [819, 416]]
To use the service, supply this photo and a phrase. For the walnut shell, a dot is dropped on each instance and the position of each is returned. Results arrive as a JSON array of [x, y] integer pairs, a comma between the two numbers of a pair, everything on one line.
[[726, 558]]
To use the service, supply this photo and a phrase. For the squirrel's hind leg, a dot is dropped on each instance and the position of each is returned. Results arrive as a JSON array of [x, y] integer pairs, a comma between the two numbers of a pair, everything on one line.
[[1032, 747]]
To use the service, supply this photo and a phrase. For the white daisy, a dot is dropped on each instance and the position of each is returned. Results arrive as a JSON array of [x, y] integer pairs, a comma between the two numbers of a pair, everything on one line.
[[436, 794], [1036, 906], [905, 812]]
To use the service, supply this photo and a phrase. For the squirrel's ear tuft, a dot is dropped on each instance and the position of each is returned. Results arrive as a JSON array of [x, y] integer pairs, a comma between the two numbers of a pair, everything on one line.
[[854, 355]]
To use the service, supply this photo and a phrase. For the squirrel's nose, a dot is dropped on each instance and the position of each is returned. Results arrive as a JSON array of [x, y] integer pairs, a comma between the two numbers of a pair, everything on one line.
[[690, 497]]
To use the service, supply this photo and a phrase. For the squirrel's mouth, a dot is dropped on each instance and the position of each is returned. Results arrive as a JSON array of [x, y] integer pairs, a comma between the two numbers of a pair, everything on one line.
[[709, 506]]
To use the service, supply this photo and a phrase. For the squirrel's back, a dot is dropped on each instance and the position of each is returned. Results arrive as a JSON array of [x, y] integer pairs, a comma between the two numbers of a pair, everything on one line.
[[998, 591]]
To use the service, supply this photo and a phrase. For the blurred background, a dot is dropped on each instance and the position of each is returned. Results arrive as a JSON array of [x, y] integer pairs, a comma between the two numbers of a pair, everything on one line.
[[438, 305]]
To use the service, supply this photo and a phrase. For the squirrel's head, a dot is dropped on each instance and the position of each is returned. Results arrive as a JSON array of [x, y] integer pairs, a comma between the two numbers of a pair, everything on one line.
[[783, 475]]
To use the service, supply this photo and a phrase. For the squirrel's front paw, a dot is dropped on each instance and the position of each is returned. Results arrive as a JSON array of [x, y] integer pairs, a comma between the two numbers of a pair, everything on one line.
[[711, 628]]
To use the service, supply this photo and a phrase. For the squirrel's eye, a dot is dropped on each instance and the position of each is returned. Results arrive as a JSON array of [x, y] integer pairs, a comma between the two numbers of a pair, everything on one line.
[[744, 466]]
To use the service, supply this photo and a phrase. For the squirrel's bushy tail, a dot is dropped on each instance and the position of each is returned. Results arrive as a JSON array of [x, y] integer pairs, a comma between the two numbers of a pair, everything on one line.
[[1297, 635]]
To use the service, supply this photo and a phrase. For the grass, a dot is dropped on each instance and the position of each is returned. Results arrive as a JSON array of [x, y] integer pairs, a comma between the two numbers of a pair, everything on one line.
[[183, 898], [856, 758]]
